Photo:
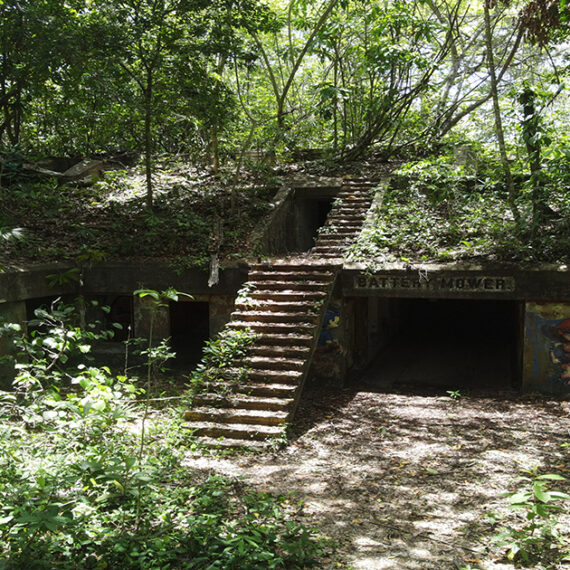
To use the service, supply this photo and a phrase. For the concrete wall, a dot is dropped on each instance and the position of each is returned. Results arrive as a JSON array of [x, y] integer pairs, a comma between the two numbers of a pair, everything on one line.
[[291, 225], [546, 351], [14, 312]]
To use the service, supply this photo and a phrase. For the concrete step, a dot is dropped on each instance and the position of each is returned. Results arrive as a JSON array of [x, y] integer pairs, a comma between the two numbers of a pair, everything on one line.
[[331, 256], [233, 431], [332, 239], [273, 363], [283, 285], [342, 231], [355, 198], [270, 390], [236, 416], [273, 316], [279, 328], [305, 340], [243, 402], [288, 295], [292, 266], [343, 224], [284, 376], [291, 276], [276, 306], [329, 249], [279, 389], [223, 443], [362, 182], [273, 351], [349, 213]]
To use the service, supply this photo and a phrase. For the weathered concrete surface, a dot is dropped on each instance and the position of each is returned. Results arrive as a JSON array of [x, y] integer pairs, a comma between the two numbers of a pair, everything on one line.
[[466, 281], [546, 353], [127, 277], [10, 313], [102, 278], [36, 281], [285, 229]]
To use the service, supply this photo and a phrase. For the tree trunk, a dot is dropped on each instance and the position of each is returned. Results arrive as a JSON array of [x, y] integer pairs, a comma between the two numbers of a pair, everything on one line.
[[497, 114], [148, 138], [530, 132]]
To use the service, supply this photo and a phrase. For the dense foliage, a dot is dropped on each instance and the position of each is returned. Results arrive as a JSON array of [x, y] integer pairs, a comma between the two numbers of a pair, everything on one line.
[[442, 210], [231, 80], [85, 224], [82, 482]]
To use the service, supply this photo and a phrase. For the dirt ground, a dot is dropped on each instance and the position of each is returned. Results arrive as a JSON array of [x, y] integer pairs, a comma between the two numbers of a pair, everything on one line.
[[403, 480]]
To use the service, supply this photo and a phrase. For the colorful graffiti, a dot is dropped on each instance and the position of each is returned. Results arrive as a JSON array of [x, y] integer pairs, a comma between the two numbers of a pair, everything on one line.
[[560, 350], [547, 347]]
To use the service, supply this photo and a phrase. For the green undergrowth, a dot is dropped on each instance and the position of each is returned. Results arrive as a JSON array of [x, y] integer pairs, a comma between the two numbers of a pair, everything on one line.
[[93, 476], [439, 210], [221, 361], [41, 221]]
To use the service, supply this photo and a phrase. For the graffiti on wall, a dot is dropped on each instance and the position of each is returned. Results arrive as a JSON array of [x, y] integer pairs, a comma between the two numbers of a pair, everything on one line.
[[559, 350], [547, 347]]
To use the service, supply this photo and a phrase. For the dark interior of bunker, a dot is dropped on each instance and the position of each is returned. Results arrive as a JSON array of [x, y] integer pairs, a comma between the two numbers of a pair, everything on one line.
[[307, 215], [451, 344], [189, 329]]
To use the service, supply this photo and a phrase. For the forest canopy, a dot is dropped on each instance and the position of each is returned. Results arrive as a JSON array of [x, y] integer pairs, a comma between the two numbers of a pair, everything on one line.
[[80, 77], [214, 82]]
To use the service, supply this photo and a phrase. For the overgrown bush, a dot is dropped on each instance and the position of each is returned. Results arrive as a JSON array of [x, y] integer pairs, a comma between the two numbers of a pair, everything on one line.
[[535, 537], [440, 209], [220, 356], [80, 487]]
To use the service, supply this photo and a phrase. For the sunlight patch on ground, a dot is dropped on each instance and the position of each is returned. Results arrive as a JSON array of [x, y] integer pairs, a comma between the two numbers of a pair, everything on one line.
[[404, 482]]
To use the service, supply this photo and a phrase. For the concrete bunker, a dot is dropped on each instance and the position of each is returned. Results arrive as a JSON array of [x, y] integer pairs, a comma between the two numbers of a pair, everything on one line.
[[495, 326], [452, 344], [298, 214]]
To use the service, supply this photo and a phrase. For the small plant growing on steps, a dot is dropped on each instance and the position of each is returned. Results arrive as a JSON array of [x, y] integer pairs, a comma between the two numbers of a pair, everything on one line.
[[219, 355], [244, 295], [454, 394], [535, 537]]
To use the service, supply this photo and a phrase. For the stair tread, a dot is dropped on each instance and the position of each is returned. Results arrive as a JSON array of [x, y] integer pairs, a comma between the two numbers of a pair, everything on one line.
[[288, 385], [271, 372], [284, 336], [319, 277], [277, 306], [276, 314], [239, 400], [235, 411], [261, 325], [271, 348], [268, 430], [226, 443], [271, 359]]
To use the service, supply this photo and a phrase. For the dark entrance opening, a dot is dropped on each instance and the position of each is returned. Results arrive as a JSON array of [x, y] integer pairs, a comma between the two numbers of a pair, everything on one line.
[[449, 344], [189, 329], [307, 216], [121, 312]]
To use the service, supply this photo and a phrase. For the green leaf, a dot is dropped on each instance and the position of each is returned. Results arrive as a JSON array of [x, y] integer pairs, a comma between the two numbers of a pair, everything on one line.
[[552, 477], [147, 292], [540, 493]]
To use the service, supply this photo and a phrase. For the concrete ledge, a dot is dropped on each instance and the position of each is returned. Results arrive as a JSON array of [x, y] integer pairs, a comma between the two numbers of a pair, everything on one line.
[[461, 281], [51, 280]]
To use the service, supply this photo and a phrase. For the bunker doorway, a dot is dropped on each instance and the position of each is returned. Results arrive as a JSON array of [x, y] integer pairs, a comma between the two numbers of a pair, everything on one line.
[[308, 215], [448, 344], [189, 329]]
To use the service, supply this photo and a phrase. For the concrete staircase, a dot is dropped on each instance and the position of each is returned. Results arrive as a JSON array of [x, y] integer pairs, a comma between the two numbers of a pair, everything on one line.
[[283, 304], [345, 219]]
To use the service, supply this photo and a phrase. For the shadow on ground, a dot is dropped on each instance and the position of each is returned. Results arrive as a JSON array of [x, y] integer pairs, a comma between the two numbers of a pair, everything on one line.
[[405, 480]]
